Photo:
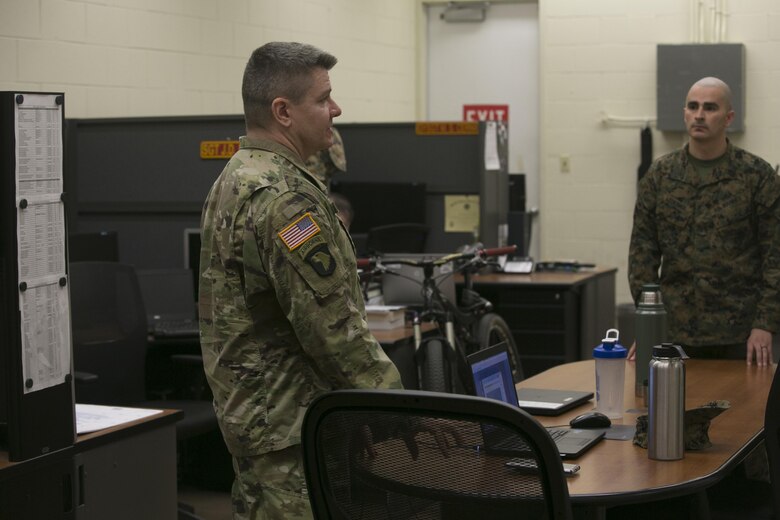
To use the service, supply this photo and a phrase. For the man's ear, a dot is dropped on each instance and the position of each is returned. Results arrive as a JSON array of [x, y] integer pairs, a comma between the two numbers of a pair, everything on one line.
[[729, 117], [280, 109]]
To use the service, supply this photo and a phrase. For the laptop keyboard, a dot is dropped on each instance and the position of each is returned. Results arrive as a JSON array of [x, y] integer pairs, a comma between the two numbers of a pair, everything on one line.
[[176, 328], [557, 433]]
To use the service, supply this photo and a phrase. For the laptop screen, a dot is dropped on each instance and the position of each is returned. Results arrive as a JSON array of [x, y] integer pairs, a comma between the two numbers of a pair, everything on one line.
[[492, 374]]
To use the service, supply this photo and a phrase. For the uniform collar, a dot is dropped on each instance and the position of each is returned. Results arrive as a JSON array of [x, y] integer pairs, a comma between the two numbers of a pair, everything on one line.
[[719, 173], [279, 149]]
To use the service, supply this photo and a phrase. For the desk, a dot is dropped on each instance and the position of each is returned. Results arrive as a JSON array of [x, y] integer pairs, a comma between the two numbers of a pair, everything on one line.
[[124, 472], [618, 472], [555, 317]]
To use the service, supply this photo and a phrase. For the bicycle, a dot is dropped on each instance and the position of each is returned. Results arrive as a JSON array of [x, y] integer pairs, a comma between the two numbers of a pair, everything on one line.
[[464, 327]]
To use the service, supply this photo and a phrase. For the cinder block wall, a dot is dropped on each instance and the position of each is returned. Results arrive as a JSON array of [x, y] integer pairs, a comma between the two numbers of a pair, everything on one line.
[[182, 57], [599, 57], [185, 57]]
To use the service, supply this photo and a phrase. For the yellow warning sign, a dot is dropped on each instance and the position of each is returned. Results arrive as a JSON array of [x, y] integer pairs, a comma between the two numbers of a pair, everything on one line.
[[218, 149], [446, 128]]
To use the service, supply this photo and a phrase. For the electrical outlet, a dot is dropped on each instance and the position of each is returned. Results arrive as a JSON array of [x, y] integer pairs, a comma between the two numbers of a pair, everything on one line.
[[565, 164]]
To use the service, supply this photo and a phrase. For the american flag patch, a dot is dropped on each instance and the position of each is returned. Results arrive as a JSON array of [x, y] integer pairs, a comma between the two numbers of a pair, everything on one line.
[[299, 231]]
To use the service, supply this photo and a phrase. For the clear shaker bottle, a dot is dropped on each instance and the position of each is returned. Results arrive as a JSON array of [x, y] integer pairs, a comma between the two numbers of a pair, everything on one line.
[[610, 359]]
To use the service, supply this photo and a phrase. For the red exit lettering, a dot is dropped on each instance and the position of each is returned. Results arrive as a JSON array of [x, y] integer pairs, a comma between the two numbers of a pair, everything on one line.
[[486, 112]]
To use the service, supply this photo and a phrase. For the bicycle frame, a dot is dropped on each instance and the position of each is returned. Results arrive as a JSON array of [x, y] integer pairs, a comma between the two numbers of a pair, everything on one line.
[[456, 321]]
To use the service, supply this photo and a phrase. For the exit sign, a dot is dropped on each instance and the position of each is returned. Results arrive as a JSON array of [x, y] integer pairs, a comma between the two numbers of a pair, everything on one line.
[[486, 112]]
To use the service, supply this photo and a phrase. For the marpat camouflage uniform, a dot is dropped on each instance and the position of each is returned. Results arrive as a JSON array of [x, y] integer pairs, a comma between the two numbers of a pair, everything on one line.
[[282, 316], [719, 238], [327, 163]]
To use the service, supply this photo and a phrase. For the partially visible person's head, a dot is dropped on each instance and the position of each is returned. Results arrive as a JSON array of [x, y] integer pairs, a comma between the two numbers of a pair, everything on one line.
[[327, 163], [280, 70], [346, 213], [708, 110]]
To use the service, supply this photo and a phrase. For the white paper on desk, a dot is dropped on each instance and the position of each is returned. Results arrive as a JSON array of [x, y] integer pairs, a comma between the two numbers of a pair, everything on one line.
[[94, 417], [384, 308]]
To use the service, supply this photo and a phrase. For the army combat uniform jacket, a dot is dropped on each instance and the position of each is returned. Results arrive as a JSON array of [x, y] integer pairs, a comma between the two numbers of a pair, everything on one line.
[[717, 242], [282, 314]]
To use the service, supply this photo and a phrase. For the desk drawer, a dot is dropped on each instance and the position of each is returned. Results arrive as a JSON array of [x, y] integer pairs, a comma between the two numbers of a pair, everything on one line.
[[509, 295], [535, 317], [538, 342]]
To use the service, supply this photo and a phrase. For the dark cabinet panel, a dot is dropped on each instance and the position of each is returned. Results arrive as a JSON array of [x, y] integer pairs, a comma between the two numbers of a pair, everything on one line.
[[555, 318]]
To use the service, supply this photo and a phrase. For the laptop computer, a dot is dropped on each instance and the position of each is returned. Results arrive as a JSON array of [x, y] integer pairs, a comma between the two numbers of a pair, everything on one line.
[[169, 300], [492, 375], [405, 288]]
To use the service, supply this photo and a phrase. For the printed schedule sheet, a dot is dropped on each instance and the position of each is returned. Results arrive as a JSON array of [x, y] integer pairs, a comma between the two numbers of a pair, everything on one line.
[[43, 289]]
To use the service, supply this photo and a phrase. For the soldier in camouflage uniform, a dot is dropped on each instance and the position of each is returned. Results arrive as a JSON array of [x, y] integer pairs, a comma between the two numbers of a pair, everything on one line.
[[707, 215], [282, 316], [327, 163]]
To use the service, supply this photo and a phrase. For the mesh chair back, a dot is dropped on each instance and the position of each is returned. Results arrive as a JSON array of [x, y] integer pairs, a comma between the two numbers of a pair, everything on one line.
[[381, 455], [772, 438], [109, 332]]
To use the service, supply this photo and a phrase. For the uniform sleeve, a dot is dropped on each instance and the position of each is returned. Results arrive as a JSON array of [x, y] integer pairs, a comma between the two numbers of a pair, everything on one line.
[[768, 216], [644, 253], [315, 279]]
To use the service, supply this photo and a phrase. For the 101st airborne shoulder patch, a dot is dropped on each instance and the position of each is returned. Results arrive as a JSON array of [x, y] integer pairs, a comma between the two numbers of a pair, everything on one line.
[[321, 260], [297, 233]]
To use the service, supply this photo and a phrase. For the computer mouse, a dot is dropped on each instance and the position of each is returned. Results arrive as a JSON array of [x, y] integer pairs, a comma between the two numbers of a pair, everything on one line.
[[590, 420]]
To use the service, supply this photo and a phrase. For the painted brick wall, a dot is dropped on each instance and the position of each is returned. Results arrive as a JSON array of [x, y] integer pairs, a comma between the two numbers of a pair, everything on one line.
[[599, 57], [115, 58]]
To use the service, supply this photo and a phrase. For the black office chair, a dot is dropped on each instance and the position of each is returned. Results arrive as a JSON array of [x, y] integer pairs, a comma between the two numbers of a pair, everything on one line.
[[405, 237], [469, 479], [109, 331], [772, 439]]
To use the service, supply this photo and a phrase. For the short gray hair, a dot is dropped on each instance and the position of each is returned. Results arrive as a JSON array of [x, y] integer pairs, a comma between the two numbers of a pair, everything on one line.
[[279, 69]]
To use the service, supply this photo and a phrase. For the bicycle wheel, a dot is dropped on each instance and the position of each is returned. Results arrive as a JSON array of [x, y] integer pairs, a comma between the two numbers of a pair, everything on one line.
[[433, 365], [492, 329]]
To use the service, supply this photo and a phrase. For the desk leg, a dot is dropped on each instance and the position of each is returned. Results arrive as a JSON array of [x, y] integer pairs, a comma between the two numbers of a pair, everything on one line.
[[589, 512], [701, 505]]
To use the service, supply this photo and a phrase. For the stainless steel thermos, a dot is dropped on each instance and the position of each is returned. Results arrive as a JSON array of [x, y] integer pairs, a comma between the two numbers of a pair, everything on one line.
[[666, 410], [650, 330]]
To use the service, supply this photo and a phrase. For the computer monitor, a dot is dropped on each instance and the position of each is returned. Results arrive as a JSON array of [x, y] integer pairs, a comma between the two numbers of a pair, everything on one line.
[[96, 246], [192, 255], [381, 203]]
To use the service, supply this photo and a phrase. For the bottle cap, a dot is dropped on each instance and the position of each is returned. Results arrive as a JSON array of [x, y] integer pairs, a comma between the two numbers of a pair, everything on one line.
[[650, 295], [610, 348], [666, 350]]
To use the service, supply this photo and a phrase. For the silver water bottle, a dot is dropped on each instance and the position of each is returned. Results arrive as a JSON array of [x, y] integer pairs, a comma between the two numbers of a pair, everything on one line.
[[666, 410], [650, 330]]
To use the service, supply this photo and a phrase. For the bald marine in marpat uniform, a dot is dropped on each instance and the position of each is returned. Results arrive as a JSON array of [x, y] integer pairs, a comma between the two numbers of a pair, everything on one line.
[[708, 215]]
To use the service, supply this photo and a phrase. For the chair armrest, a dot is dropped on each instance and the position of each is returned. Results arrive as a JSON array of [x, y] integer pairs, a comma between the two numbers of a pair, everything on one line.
[[188, 359], [84, 377]]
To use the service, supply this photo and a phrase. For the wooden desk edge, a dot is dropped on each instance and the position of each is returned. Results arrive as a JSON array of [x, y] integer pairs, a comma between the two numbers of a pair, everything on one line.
[[657, 492], [163, 418]]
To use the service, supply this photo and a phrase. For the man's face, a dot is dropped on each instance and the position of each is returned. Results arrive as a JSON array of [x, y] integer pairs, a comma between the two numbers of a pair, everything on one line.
[[312, 117], [706, 114]]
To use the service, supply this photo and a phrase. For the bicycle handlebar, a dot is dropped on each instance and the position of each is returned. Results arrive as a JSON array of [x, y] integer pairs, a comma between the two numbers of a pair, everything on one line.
[[367, 263], [497, 251]]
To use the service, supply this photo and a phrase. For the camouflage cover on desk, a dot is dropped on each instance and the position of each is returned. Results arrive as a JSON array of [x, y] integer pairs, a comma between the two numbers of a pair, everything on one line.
[[697, 425]]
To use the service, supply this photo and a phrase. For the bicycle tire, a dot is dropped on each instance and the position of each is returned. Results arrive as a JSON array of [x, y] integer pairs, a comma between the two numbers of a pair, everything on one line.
[[493, 329], [433, 372]]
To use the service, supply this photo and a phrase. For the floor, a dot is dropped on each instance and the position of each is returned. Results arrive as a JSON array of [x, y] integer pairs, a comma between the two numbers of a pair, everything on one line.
[[205, 477], [207, 504]]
